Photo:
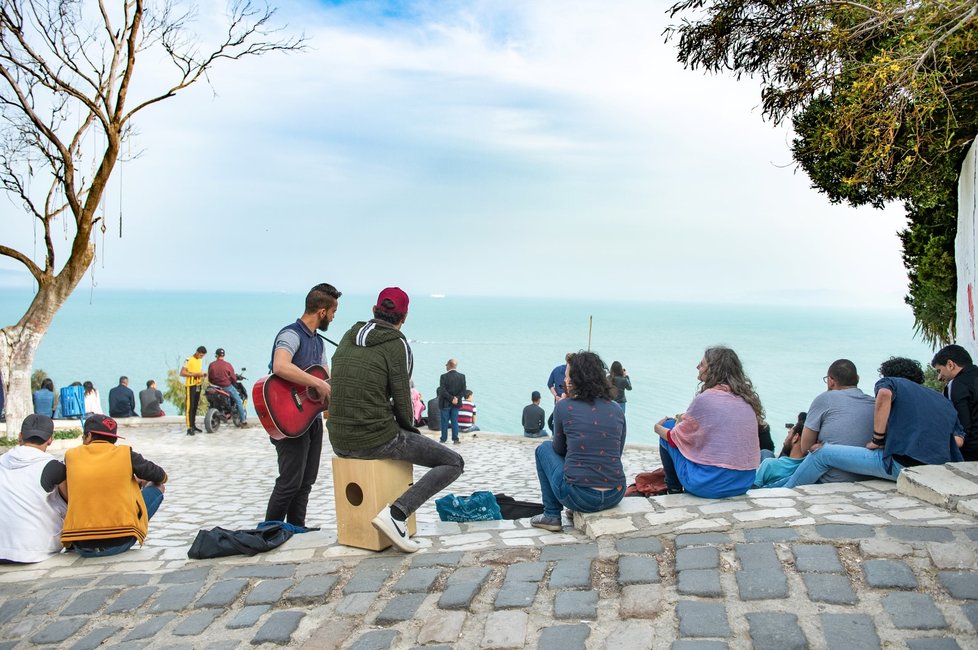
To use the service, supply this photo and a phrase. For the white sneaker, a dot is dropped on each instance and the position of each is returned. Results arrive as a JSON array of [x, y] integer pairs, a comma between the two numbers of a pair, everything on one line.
[[395, 530]]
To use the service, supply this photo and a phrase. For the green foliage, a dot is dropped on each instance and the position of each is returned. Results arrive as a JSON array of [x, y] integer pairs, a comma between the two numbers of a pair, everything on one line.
[[883, 97], [176, 393], [69, 434], [931, 380], [36, 378]]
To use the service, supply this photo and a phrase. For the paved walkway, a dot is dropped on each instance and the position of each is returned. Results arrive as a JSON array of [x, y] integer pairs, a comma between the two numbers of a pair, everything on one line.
[[845, 566]]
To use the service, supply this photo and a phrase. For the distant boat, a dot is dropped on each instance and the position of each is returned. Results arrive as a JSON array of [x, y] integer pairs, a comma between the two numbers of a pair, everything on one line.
[[437, 295]]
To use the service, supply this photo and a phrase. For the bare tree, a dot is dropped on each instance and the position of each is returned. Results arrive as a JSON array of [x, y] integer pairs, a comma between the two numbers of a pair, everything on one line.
[[66, 71]]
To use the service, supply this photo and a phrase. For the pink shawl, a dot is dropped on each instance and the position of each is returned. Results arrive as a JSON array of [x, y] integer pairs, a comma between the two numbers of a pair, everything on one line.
[[719, 429]]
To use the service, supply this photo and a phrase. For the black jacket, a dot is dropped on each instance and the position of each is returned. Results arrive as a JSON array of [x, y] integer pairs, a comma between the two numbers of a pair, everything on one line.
[[964, 396], [452, 384]]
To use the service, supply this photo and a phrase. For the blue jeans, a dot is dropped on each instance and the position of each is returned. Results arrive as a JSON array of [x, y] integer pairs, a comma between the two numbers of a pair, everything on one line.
[[445, 464], [236, 398], [153, 497], [858, 460], [450, 413], [557, 493]]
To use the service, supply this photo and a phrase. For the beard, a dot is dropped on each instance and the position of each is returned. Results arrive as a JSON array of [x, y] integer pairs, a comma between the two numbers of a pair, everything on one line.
[[323, 325]]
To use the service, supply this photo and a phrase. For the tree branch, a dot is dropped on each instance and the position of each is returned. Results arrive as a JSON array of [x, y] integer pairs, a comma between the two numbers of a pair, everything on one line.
[[34, 269]]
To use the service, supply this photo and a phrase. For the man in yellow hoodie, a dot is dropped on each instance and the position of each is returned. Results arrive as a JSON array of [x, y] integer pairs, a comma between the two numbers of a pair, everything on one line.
[[112, 492]]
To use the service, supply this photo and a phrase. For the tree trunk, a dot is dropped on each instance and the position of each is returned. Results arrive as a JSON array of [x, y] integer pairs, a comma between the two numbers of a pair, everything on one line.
[[19, 343]]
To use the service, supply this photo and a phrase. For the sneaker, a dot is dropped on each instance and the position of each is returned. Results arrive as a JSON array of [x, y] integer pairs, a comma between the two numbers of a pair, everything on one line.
[[456, 441], [190, 432], [196, 430], [395, 530], [547, 523]]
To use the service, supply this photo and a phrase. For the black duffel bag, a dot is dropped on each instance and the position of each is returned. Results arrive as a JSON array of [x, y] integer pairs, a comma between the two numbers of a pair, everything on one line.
[[220, 542], [513, 509]]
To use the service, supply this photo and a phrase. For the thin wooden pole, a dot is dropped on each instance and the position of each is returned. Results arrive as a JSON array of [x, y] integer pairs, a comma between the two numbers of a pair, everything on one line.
[[590, 320]]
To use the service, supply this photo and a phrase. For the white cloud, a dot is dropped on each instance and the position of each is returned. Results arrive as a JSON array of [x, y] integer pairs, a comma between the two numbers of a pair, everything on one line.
[[523, 141]]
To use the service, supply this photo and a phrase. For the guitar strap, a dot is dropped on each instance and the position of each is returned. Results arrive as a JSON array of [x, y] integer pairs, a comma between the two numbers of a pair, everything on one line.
[[335, 345]]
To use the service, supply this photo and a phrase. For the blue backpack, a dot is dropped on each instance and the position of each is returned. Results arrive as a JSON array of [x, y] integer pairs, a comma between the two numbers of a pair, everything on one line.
[[72, 399]]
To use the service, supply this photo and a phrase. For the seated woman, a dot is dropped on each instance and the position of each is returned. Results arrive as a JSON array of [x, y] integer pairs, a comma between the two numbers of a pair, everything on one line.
[[712, 451], [581, 467]]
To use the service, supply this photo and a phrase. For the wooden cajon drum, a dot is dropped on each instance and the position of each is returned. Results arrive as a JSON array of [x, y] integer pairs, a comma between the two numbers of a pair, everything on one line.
[[361, 489]]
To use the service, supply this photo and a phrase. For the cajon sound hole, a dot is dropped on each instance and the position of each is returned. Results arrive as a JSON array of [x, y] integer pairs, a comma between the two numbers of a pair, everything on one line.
[[354, 494]]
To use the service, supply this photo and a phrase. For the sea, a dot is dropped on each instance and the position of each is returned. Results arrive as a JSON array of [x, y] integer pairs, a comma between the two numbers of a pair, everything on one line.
[[506, 347]]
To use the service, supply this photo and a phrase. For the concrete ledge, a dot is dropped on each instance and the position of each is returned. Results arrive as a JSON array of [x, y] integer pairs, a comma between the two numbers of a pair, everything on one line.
[[937, 484]]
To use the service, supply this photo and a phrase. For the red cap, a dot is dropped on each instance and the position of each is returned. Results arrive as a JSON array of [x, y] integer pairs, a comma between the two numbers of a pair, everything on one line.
[[396, 296], [102, 425]]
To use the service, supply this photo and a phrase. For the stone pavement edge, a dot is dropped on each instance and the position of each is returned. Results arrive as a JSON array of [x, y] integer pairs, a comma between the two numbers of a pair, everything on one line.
[[840, 566]]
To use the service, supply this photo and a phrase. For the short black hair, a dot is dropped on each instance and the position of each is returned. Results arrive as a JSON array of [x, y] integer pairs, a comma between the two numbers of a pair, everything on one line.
[[201, 349], [123, 378], [321, 296], [150, 382], [844, 372], [392, 317], [904, 368], [954, 353]]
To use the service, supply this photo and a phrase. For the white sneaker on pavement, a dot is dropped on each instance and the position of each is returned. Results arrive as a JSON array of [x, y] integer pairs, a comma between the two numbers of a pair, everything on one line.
[[395, 530]]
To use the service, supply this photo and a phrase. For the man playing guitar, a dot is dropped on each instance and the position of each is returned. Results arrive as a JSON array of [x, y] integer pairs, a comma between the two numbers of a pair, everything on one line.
[[297, 346]]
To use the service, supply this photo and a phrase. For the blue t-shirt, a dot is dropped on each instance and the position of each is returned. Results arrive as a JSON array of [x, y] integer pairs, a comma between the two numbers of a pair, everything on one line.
[[44, 402], [556, 380], [921, 427], [590, 437]]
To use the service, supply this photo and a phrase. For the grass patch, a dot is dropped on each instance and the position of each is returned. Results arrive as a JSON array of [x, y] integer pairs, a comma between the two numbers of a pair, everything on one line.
[[69, 434]]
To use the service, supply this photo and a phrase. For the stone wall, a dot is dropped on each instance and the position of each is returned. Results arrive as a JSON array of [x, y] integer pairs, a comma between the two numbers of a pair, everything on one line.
[[965, 253]]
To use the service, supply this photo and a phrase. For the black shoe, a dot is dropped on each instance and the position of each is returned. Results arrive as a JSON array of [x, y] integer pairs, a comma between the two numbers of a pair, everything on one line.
[[196, 430], [456, 441], [190, 432]]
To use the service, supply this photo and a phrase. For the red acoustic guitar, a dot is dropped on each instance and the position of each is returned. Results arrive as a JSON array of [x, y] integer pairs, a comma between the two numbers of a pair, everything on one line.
[[287, 409]]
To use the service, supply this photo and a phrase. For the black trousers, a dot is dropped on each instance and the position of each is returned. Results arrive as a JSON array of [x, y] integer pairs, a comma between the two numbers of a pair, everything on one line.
[[193, 401], [298, 469]]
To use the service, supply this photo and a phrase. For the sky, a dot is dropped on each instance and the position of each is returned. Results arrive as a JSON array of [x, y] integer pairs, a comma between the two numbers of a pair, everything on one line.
[[504, 148]]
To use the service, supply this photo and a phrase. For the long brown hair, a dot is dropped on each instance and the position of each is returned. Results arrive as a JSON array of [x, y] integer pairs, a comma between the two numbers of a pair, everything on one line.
[[723, 367]]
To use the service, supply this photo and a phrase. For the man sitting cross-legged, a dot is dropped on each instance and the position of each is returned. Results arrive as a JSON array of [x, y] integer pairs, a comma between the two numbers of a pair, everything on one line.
[[913, 425], [842, 415], [31, 509], [113, 492]]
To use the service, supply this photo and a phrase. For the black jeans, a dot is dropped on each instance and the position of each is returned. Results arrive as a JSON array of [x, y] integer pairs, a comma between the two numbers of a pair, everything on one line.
[[445, 464], [298, 469], [193, 401]]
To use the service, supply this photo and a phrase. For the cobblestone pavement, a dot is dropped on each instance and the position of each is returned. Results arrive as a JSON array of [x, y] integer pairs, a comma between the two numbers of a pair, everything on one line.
[[844, 566]]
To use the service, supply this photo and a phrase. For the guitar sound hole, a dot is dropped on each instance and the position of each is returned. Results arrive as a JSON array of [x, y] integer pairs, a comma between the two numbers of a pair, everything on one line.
[[354, 494]]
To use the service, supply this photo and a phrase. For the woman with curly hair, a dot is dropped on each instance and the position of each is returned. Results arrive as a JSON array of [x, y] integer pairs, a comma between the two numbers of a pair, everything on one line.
[[581, 467], [712, 450]]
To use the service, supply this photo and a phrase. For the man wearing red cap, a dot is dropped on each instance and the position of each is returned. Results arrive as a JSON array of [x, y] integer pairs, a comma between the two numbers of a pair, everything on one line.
[[297, 346], [113, 492], [371, 416]]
